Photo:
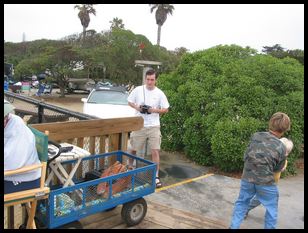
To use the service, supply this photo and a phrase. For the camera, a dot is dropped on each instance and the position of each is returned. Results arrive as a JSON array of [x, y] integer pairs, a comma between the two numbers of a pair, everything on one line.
[[144, 109]]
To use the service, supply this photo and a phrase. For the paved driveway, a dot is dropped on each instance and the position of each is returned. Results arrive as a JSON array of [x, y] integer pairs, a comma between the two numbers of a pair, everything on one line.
[[214, 196]]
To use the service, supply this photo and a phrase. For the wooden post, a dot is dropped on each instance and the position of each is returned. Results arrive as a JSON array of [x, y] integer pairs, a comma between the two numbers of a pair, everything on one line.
[[102, 149], [79, 170], [92, 151], [10, 217], [113, 146]]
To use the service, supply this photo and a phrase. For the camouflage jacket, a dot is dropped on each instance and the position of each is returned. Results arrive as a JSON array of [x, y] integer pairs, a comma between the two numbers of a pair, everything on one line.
[[264, 156]]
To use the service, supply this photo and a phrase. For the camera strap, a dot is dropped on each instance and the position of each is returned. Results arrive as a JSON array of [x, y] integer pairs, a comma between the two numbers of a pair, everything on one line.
[[143, 95]]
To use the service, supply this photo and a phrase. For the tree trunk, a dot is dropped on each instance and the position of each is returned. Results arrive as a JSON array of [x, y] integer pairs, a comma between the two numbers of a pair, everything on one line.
[[158, 35], [62, 87], [84, 34], [62, 91], [88, 74]]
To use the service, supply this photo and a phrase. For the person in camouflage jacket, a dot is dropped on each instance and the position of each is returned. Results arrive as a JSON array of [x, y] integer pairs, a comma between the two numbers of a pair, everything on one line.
[[254, 202], [264, 156]]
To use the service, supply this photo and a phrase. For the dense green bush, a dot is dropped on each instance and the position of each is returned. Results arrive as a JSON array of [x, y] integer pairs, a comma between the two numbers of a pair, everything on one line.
[[220, 96], [230, 139]]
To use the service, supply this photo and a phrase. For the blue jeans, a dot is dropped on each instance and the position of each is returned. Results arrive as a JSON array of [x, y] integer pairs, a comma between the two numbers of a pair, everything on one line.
[[268, 195], [9, 187], [254, 202]]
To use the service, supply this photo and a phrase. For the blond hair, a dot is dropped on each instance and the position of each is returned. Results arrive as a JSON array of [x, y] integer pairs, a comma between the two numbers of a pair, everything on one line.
[[279, 122]]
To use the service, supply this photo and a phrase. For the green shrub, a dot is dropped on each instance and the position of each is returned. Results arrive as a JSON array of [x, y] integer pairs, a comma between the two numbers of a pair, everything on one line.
[[229, 91], [230, 140]]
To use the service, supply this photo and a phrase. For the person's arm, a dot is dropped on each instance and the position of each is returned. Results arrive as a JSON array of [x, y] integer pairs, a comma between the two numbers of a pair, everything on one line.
[[158, 110], [279, 167], [135, 106], [285, 166], [164, 105]]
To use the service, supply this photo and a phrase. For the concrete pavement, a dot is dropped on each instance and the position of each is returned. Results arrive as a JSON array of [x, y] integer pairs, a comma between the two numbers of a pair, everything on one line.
[[214, 195]]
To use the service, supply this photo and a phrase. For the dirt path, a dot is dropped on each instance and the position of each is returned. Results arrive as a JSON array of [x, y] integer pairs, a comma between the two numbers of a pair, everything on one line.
[[72, 101]]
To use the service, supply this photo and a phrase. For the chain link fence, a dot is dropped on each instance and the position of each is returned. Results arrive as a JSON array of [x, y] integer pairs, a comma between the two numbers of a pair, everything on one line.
[[34, 111]]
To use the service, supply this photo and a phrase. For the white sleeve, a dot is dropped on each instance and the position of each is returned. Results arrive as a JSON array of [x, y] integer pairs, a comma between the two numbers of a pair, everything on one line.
[[164, 101], [132, 96]]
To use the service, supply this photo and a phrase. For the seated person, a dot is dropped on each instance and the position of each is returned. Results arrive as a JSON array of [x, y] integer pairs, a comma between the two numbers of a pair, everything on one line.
[[19, 151]]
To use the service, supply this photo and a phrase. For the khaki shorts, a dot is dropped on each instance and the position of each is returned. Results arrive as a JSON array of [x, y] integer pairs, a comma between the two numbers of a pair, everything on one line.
[[138, 138]]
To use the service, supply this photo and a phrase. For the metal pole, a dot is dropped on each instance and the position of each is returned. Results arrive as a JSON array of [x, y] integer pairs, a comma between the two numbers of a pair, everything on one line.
[[40, 113]]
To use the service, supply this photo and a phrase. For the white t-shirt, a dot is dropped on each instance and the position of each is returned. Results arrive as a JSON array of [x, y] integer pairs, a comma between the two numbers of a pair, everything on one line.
[[19, 150], [154, 98]]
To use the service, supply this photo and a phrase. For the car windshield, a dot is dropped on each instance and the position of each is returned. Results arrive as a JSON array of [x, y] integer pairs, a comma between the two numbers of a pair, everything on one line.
[[108, 97]]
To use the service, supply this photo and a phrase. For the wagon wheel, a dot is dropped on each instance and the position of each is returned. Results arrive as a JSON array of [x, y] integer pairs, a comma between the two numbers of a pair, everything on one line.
[[133, 212]]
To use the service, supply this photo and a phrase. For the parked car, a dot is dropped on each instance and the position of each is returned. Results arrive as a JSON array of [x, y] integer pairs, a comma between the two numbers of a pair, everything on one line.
[[80, 84], [108, 102]]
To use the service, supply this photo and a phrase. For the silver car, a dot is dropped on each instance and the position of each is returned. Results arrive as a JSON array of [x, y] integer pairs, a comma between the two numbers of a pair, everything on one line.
[[108, 102]]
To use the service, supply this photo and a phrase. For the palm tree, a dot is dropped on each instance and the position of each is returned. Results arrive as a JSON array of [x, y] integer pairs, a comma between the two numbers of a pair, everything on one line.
[[161, 15], [84, 15], [116, 23]]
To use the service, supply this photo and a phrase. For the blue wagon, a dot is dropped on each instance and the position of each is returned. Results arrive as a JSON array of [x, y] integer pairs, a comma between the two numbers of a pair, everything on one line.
[[69, 204]]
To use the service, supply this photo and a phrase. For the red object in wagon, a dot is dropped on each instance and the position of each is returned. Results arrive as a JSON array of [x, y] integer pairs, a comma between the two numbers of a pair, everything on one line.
[[119, 185]]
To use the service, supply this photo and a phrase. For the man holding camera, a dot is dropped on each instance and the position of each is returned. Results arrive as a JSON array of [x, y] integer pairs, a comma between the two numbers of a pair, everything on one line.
[[149, 102]]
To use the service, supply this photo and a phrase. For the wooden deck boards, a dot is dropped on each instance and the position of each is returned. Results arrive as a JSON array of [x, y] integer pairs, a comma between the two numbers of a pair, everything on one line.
[[158, 217]]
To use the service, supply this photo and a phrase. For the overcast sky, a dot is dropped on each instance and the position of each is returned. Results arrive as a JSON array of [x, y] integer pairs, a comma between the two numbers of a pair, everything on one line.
[[192, 26]]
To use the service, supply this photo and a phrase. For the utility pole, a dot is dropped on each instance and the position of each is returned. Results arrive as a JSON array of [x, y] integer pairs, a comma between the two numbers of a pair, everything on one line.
[[23, 37], [147, 65]]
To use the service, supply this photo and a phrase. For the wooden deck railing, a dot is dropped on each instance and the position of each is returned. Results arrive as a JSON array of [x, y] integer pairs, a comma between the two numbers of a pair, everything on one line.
[[116, 129], [97, 136]]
